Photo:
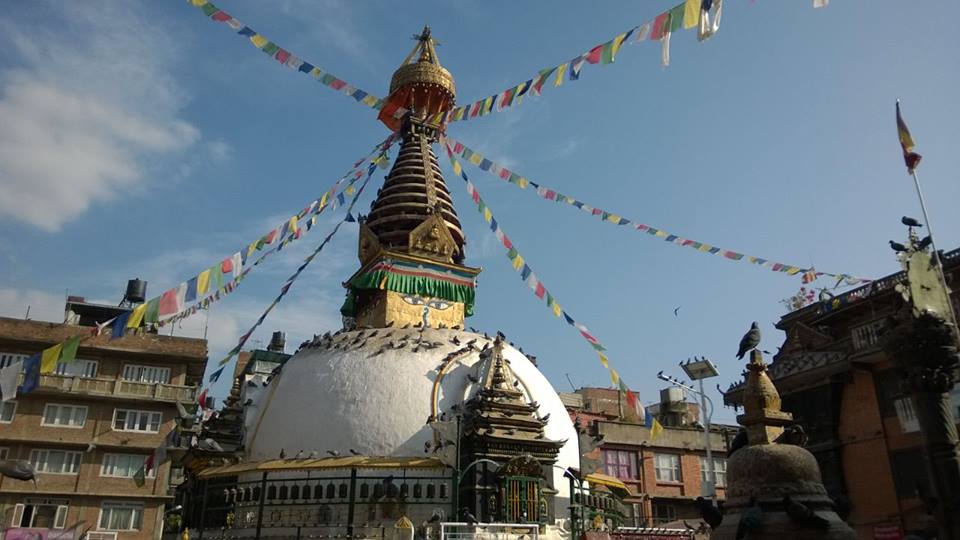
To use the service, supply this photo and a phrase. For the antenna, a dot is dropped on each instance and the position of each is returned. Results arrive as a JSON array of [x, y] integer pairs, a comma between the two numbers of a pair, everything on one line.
[[567, 375]]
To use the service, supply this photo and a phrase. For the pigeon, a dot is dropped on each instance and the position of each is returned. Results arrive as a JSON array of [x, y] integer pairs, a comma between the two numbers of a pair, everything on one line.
[[923, 244], [388, 325], [793, 435], [455, 340], [473, 378], [283, 454], [354, 452], [435, 518], [545, 418], [91, 446], [252, 383], [249, 401], [298, 455], [709, 512], [406, 326], [738, 442], [474, 330], [314, 454], [209, 445], [676, 311], [749, 341], [910, 222], [751, 519], [426, 447], [448, 442], [896, 246], [18, 469], [467, 516], [334, 453], [803, 515]]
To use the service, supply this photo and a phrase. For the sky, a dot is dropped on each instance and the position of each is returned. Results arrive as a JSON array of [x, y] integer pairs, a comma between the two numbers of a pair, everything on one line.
[[141, 139]]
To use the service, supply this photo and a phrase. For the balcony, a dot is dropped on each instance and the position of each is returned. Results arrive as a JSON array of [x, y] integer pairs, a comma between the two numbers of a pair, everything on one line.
[[867, 336], [117, 388]]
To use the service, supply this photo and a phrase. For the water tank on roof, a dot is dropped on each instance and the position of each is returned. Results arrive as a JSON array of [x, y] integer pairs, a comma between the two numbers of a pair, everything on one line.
[[136, 291], [277, 342], [672, 395]]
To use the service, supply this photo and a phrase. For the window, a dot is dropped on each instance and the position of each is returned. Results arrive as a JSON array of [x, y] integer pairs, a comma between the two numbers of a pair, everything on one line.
[[719, 471], [41, 513], [124, 465], [4, 452], [77, 368], [910, 473], [7, 410], [133, 420], [147, 374], [620, 464], [906, 415], [663, 513], [668, 467], [55, 461], [64, 415], [7, 359], [121, 516]]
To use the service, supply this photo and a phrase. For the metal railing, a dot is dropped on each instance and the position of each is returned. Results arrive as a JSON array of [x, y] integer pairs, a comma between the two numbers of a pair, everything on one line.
[[488, 531], [100, 386], [866, 336]]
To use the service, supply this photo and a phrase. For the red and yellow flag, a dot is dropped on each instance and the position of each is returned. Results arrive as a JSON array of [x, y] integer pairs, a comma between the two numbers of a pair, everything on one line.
[[911, 158]]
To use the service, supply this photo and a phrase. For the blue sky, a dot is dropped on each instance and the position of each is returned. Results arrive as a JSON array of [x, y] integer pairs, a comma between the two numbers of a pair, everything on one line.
[[143, 140]]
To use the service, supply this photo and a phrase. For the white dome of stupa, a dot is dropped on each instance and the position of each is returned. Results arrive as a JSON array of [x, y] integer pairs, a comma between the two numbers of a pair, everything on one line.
[[374, 392]]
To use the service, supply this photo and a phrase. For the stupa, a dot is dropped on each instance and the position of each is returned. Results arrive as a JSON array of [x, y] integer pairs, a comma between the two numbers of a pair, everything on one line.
[[774, 487], [402, 414]]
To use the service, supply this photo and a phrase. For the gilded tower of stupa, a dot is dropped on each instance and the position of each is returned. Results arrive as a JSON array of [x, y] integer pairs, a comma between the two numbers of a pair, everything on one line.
[[411, 245]]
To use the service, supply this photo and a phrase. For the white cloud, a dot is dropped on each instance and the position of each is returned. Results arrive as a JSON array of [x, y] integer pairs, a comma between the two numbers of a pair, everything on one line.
[[42, 305], [88, 106]]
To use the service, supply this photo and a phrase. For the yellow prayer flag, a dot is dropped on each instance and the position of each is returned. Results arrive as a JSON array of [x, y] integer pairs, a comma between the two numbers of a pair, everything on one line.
[[661, 234], [705, 247], [613, 218], [793, 270], [293, 224], [259, 41], [517, 262], [350, 189], [614, 378], [136, 316], [457, 169], [522, 182], [203, 282], [323, 200], [316, 72], [656, 430], [604, 360], [557, 310], [487, 216], [49, 358], [251, 248], [198, 3], [476, 158], [561, 71], [369, 100], [691, 13], [617, 43]]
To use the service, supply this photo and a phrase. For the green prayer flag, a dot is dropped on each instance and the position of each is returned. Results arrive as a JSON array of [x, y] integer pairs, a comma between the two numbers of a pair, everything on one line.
[[209, 9], [270, 48], [606, 55], [69, 351], [140, 478], [327, 79], [216, 275], [676, 17], [152, 313]]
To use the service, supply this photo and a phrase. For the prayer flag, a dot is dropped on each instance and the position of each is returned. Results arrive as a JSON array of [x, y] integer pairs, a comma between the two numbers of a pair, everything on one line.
[[49, 358], [910, 158], [660, 26], [541, 78], [561, 72], [203, 282], [594, 55], [258, 41], [119, 326], [69, 351], [140, 477], [614, 378], [676, 17], [604, 360], [152, 311], [31, 373], [215, 376], [8, 381], [691, 13], [190, 295], [656, 429], [168, 303], [202, 398], [575, 65]]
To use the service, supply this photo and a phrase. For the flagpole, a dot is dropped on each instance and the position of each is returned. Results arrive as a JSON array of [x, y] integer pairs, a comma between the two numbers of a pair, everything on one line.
[[926, 217]]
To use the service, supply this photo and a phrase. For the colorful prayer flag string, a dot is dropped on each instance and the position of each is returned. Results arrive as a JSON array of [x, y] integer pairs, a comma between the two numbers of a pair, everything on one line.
[[501, 172], [285, 288], [704, 14], [536, 285], [292, 61]]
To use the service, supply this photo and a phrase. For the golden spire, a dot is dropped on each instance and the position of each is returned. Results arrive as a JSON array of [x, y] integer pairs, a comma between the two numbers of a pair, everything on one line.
[[423, 87]]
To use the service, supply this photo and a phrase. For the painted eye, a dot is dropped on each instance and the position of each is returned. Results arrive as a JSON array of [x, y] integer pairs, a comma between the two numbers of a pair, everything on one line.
[[439, 304], [414, 300]]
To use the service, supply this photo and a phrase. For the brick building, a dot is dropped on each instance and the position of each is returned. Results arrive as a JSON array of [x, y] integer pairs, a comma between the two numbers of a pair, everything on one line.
[[89, 426], [663, 476], [844, 390]]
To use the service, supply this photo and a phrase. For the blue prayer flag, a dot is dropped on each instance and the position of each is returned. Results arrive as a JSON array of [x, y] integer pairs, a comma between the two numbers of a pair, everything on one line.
[[119, 325], [31, 374], [191, 294]]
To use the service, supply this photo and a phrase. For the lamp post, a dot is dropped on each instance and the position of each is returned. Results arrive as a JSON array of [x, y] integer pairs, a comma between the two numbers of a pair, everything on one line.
[[698, 369]]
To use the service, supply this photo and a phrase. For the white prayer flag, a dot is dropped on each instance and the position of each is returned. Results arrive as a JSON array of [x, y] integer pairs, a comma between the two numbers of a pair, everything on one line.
[[8, 381]]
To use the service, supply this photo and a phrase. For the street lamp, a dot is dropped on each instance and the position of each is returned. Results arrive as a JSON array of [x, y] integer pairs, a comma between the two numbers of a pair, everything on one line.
[[698, 369]]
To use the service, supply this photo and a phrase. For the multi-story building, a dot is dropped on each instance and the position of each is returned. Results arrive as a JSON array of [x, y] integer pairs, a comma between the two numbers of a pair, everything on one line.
[[844, 389], [90, 425], [663, 475]]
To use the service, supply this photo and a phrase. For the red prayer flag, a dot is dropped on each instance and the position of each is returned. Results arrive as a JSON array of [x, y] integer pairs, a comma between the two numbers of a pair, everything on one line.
[[168, 302], [227, 265], [540, 290], [660, 26], [202, 398], [594, 55], [337, 84], [221, 16], [282, 56]]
